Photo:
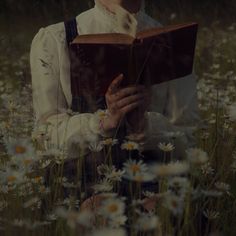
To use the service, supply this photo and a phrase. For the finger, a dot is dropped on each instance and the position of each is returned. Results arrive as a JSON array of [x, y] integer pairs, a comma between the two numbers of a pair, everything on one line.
[[130, 107], [128, 91], [118, 105], [125, 93], [115, 84], [130, 99]]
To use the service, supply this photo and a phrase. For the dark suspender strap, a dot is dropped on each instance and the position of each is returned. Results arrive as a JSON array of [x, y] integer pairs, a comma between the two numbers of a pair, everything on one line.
[[71, 30], [78, 103], [71, 33]]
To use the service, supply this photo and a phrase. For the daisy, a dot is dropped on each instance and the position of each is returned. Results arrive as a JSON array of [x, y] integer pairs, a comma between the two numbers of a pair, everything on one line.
[[115, 175], [95, 146], [166, 147], [109, 141], [103, 186], [211, 215], [142, 177], [112, 207], [11, 177], [19, 148], [53, 151], [179, 185], [73, 218], [149, 194], [43, 190], [137, 171], [147, 222], [117, 221], [52, 217], [196, 156], [25, 162], [44, 163], [71, 202], [206, 169], [132, 167], [31, 202], [130, 146], [221, 186], [170, 169], [104, 169], [174, 203], [37, 180], [137, 202], [110, 172]]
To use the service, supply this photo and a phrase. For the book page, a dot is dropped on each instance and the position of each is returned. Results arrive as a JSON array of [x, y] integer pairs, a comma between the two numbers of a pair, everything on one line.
[[112, 38], [160, 30]]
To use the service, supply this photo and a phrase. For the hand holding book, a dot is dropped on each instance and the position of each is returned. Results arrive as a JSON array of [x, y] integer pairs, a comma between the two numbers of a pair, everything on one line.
[[122, 102]]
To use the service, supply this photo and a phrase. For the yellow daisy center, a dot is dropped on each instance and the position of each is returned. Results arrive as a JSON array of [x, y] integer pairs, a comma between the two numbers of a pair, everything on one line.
[[37, 179], [11, 178], [27, 162], [113, 208], [42, 189], [130, 146], [135, 168], [108, 141], [20, 149]]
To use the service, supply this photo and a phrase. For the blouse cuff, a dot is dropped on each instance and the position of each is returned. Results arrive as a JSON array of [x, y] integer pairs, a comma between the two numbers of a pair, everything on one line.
[[96, 123]]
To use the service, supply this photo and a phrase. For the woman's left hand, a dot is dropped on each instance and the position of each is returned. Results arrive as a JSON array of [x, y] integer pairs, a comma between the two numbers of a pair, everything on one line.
[[136, 118]]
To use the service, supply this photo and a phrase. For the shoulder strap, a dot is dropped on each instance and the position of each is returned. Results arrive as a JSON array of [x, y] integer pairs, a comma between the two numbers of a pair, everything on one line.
[[71, 30]]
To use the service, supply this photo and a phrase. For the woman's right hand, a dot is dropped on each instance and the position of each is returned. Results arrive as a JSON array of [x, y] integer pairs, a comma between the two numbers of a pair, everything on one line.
[[121, 101]]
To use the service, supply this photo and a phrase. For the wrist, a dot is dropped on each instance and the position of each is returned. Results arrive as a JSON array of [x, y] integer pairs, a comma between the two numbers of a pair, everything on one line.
[[137, 125], [105, 124]]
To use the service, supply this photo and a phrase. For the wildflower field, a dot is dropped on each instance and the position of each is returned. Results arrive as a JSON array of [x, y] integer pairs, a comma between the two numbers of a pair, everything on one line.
[[195, 196]]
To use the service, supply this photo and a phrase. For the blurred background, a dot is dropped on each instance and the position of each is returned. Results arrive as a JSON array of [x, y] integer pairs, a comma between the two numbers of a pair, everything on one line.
[[20, 20]]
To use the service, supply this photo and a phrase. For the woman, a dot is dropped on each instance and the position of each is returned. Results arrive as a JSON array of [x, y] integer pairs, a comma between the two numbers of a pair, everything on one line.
[[173, 106]]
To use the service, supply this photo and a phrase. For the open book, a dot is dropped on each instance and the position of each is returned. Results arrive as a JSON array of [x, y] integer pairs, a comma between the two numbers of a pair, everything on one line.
[[154, 56]]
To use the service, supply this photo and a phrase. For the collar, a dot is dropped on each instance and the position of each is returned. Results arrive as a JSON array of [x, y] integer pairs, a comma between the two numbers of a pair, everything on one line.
[[121, 21], [103, 10], [106, 12]]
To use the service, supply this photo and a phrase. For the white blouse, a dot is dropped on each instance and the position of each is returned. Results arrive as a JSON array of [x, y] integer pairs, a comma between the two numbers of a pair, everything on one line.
[[173, 107]]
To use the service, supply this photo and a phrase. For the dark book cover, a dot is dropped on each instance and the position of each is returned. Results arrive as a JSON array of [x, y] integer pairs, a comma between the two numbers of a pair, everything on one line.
[[156, 55]]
